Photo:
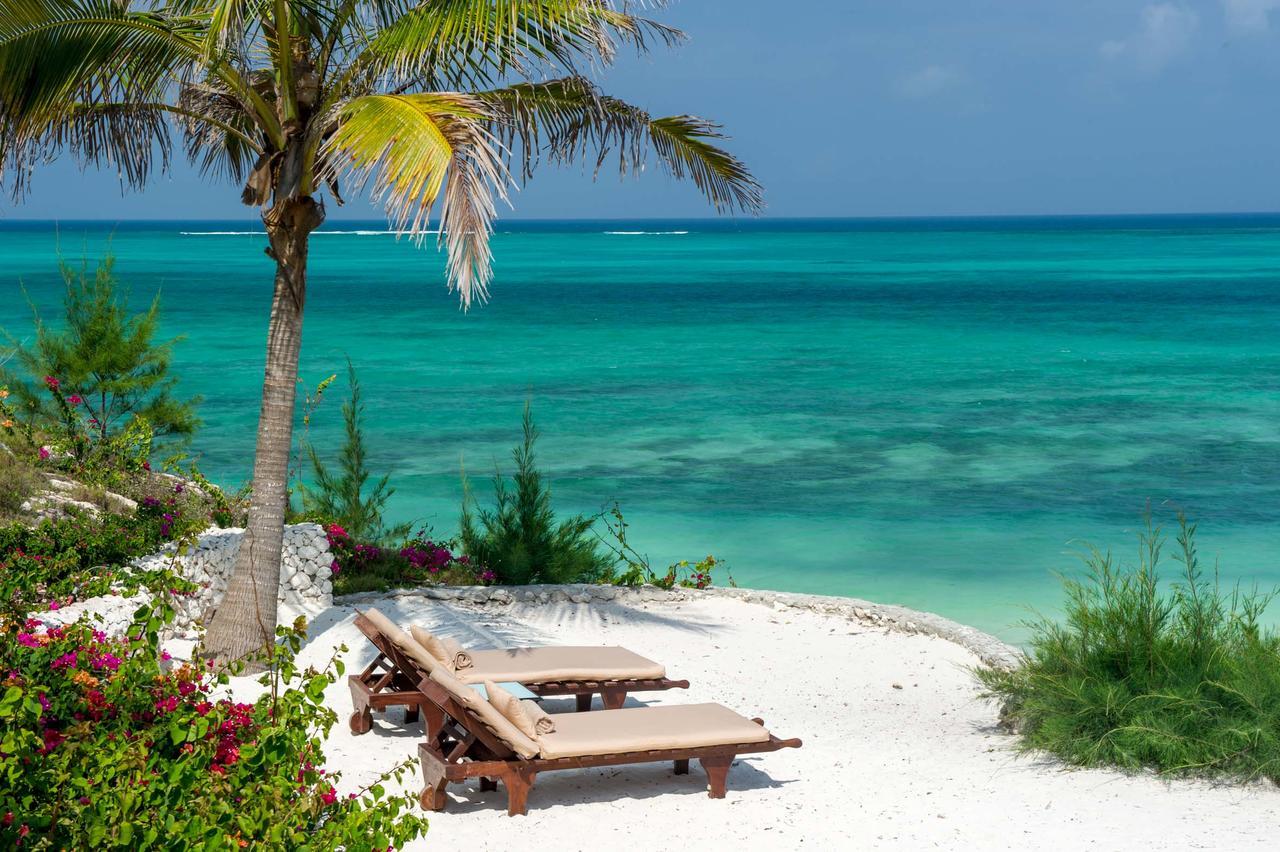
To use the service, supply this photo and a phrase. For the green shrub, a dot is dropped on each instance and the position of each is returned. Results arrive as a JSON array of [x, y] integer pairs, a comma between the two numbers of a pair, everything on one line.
[[106, 745], [341, 498], [58, 562], [418, 561], [519, 539], [105, 363], [1183, 681]]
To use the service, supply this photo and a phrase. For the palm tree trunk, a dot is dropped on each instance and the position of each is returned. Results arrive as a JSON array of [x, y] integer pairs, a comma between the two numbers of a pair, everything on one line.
[[245, 621]]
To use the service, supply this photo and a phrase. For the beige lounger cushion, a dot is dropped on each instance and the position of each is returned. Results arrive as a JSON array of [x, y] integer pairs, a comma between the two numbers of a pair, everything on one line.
[[560, 662], [675, 726], [542, 721], [468, 697], [444, 649], [510, 707], [403, 642]]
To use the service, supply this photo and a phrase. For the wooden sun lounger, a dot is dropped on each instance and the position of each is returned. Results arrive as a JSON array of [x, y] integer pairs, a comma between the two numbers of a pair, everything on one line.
[[464, 746], [390, 681]]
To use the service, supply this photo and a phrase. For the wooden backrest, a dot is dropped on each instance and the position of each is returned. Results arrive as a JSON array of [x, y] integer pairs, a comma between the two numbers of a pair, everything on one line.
[[492, 747]]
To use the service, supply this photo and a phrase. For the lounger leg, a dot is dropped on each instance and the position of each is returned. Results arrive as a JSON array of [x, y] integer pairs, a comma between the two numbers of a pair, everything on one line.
[[584, 701], [682, 767], [717, 769], [487, 784], [433, 796], [361, 717], [519, 781], [614, 698]]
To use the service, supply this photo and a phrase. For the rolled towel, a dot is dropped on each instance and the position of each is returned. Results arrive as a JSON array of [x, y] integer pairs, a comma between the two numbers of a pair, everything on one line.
[[442, 648], [511, 708], [542, 721]]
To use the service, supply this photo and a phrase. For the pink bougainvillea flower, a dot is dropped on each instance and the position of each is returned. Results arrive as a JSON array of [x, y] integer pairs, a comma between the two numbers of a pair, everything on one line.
[[106, 661], [74, 399], [66, 661], [329, 796], [51, 383], [44, 453], [52, 739]]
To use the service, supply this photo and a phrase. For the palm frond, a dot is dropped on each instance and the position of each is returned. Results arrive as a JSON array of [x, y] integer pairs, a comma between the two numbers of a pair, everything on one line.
[[219, 133], [681, 143], [570, 119], [471, 43], [413, 148]]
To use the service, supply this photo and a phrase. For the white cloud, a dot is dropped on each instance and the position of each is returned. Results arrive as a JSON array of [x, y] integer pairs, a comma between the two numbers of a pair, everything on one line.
[[928, 81], [1246, 17], [1165, 30]]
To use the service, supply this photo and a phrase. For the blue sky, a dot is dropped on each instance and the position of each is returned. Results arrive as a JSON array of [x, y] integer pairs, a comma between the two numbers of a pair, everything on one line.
[[909, 107]]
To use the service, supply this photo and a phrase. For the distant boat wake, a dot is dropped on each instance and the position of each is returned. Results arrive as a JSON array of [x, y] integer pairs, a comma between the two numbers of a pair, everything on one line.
[[645, 233]]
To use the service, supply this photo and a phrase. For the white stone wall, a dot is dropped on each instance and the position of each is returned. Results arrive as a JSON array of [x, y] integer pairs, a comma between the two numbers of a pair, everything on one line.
[[306, 586]]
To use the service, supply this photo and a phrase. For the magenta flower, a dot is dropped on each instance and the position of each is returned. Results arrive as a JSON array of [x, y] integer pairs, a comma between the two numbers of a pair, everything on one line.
[[27, 640], [66, 661], [44, 453], [74, 399], [106, 661], [51, 383], [52, 739], [167, 705], [329, 796]]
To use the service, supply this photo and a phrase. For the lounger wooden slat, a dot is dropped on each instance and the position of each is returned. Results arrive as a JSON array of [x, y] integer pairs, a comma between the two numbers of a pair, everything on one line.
[[465, 747], [389, 681]]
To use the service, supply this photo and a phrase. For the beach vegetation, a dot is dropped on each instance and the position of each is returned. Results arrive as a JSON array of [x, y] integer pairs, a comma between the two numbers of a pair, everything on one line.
[[632, 568], [109, 743], [520, 539], [422, 559], [345, 497], [60, 561], [19, 481], [101, 375], [1182, 679], [439, 108]]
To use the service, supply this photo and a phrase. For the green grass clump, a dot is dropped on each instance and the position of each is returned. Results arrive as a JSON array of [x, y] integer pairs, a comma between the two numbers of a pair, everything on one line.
[[1182, 680], [18, 482]]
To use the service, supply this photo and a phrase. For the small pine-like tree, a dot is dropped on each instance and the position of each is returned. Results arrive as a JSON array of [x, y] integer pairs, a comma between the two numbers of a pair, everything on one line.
[[340, 497], [104, 357], [519, 539]]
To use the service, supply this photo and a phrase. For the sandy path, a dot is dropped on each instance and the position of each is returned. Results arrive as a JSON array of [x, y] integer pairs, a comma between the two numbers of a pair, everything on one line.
[[915, 767]]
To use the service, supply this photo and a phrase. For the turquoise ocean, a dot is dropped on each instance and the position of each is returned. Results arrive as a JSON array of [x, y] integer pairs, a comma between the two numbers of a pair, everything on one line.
[[937, 413]]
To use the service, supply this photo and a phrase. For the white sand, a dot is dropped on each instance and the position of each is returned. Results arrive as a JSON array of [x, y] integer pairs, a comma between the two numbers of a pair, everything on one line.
[[920, 767]]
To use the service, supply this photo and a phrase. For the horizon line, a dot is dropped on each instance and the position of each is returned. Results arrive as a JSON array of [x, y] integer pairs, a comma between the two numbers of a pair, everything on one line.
[[722, 219]]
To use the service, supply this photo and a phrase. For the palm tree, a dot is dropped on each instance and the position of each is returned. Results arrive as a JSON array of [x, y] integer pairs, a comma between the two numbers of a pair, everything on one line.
[[438, 105]]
